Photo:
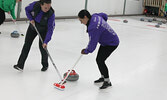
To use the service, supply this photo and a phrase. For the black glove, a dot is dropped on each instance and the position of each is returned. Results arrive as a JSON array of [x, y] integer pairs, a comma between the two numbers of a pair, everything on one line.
[[83, 51]]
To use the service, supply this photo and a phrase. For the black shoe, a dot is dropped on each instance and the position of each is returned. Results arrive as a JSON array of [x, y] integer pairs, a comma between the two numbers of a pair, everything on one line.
[[99, 80], [105, 85], [44, 69], [18, 68]]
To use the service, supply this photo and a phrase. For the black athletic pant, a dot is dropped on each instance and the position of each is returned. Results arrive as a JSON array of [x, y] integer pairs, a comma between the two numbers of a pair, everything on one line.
[[30, 36], [103, 53], [2, 16]]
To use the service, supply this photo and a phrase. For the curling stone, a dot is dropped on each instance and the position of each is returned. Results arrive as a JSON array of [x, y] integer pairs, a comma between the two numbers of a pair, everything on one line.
[[150, 20], [159, 23], [164, 22], [15, 34], [157, 26], [141, 19], [125, 21], [73, 76], [154, 19]]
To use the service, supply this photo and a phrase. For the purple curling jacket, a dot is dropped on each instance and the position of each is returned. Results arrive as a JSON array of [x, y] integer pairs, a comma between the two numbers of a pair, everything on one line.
[[100, 32], [51, 20]]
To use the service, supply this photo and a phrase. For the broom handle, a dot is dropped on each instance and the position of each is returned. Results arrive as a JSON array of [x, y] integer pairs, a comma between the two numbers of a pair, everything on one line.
[[48, 53], [68, 73]]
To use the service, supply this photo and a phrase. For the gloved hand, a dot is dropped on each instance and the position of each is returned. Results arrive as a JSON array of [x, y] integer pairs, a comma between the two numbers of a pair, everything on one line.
[[44, 45], [32, 22], [14, 21], [83, 52]]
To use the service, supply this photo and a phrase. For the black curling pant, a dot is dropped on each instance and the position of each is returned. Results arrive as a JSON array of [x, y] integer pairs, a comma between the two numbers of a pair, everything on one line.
[[103, 53], [30, 36], [2, 16]]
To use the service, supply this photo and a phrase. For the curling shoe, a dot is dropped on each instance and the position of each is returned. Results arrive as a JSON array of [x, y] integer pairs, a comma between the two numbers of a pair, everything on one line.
[[18, 68], [105, 85], [99, 80], [44, 69]]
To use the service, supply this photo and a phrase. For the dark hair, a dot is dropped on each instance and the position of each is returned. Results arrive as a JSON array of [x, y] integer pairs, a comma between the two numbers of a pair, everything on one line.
[[83, 13], [45, 1]]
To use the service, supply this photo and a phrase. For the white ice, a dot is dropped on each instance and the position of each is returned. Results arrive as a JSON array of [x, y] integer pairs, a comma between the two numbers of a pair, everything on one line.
[[138, 68]]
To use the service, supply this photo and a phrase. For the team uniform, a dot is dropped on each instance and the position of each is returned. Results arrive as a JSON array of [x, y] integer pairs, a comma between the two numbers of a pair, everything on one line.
[[45, 23], [100, 32]]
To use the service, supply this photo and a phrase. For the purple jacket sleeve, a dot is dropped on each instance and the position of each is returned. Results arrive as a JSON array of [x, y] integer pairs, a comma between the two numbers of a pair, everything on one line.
[[94, 36], [28, 10], [93, 40], [51, 26]]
